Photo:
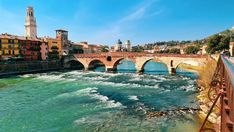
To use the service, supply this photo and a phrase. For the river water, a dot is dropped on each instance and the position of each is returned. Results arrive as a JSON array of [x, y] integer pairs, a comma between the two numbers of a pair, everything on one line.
[[74, 101]]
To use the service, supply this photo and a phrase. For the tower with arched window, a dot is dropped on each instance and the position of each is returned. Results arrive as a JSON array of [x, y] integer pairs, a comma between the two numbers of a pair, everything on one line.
[[30, 23]]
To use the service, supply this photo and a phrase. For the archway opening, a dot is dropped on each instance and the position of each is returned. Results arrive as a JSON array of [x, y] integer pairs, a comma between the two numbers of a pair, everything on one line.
[[187, 68], [74, 65], [125, 65], [97, 65], [152, 67]]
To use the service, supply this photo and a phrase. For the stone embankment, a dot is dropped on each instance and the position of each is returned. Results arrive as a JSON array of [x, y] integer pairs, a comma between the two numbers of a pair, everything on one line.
[[205, 75], [15, 68]]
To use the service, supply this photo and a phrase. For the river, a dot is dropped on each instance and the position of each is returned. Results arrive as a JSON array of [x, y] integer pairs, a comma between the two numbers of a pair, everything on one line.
[[76, 101]]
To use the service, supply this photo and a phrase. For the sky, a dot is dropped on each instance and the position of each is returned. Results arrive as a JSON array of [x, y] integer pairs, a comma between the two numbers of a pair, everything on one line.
[[106, 21]]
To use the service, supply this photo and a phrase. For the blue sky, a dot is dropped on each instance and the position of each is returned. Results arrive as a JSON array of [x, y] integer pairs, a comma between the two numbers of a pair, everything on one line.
[[105, 21]]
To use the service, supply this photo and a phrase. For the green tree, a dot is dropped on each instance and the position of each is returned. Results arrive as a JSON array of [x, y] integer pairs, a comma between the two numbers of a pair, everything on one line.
[[137, 48], [217, 43], [104, 48], [191, 50], [174, 51]]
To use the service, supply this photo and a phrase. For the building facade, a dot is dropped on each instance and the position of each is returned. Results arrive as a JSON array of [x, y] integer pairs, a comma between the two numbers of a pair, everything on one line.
[[30, 49], [54, 48], [22, 47], [118, 46], [30, 24], [62, 36], [89, 48], [9, 45], [44, 50], [128, 46]]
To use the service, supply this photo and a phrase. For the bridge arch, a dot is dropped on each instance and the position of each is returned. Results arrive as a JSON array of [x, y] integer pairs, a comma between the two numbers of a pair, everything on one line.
[[142, 66], [93, 64], [121, 59], [117, 62], [188, 62], [74, 64]]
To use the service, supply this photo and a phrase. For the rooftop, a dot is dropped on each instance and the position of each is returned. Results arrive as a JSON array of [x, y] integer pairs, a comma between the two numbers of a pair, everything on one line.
[[9, 36], [61, 30]]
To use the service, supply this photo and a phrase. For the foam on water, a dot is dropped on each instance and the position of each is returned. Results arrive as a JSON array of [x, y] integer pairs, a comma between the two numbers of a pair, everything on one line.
[[129, 85], [85, 120], [93, 93], [133, 97]]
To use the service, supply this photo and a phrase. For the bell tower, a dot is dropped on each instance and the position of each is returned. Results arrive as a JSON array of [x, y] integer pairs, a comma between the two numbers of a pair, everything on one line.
[[30, 23]]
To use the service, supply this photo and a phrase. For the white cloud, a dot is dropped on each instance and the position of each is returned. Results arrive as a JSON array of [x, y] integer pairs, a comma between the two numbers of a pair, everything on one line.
[[117, 29], [140, 12]]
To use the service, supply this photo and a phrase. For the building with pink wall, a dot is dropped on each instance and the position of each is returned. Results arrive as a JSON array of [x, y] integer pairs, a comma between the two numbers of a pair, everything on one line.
[[44, 50]]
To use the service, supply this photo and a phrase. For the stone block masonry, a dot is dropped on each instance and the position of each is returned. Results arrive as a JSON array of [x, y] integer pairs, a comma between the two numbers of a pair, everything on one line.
[[15, 68]]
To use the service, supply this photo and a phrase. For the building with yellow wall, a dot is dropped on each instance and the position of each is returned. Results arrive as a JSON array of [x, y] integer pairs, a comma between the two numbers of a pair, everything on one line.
[[52, 43], [9, 46]]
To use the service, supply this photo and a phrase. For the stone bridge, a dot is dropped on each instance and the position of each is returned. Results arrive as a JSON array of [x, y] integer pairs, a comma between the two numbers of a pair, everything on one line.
[[111, 59]]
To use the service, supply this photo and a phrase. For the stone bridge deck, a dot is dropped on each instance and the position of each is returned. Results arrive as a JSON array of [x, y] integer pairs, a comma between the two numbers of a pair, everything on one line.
[[112, 59], [133, 54]]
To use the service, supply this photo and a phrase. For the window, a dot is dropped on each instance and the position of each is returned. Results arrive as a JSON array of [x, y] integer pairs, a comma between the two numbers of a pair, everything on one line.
[[10, 46], [10, 41]]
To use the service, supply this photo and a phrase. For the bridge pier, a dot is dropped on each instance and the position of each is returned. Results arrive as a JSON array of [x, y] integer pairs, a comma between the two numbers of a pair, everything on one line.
[[86, 68], [172, 70], [140, 71], [111, 69]]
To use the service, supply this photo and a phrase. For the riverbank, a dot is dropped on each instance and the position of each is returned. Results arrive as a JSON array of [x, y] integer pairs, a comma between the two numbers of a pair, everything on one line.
[[19, 68], [205, 74]]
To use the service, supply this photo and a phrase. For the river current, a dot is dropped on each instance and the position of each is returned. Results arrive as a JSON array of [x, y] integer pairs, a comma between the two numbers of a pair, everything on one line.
[[76, 101]]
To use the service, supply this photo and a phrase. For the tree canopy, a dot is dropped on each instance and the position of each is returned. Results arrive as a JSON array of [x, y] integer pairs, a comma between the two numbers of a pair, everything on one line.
[[169, 51], [217, 43], [104, 48], [192, 50]]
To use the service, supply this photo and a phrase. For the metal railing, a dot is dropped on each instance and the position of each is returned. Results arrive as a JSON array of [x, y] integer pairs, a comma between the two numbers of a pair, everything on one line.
[[223, 82]]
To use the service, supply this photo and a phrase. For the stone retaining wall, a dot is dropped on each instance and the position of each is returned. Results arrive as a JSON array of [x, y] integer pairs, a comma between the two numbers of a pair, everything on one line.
[[12, 68]]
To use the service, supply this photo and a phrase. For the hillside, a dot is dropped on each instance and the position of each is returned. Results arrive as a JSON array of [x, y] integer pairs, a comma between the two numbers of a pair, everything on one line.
[[150, 46]]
